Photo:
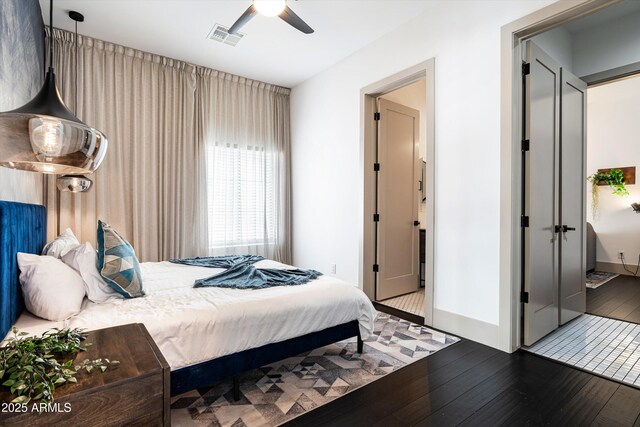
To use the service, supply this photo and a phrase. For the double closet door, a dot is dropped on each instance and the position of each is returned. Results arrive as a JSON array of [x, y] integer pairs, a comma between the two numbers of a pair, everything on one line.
[[553, 204]]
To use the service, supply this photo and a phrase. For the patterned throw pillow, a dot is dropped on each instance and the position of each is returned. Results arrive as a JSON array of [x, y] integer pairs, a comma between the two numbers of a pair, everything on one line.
[[117, 262]]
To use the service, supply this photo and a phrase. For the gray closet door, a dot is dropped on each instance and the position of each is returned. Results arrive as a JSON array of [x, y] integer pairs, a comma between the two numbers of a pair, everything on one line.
[[542, 89], [573, 99]]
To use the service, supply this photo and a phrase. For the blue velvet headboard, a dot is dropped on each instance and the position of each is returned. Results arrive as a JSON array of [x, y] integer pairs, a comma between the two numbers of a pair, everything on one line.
[[23, 228]]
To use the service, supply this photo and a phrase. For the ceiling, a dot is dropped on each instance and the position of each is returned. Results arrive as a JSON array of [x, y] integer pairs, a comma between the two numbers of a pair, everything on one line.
[[271, 50], [604, 16]]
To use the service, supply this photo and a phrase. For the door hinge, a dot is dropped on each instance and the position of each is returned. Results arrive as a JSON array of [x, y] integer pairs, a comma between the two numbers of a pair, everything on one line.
[[525, 145], [375, 268], [376, 217], [526, 69], [376, 116], [524, 221], [376, 167], [524, 297]]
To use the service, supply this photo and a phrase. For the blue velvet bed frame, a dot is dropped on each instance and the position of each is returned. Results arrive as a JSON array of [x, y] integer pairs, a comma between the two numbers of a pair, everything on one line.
[[23, 229]]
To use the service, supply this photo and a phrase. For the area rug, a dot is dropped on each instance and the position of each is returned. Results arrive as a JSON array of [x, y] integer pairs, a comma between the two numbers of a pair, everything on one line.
[[599, 278], [599, 345], [279, 392]]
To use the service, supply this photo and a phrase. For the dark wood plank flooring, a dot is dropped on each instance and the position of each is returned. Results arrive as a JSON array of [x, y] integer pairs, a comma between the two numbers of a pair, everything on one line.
[[617, 299], [475, 385]]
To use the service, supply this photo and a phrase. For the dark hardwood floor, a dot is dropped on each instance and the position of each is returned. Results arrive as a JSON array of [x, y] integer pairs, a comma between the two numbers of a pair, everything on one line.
[[617, 299], [474, 385]]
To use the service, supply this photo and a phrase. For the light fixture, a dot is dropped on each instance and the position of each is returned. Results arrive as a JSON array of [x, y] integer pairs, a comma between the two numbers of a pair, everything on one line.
[[44, 136], [270, 7], [636, 207], [73, 183]]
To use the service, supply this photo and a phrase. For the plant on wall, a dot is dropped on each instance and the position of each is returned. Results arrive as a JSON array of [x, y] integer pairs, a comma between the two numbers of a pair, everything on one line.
[[614, 178]]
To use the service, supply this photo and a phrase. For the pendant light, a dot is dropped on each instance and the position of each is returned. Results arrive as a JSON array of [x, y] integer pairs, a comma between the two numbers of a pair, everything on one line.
[[75, 183], [44, 136]]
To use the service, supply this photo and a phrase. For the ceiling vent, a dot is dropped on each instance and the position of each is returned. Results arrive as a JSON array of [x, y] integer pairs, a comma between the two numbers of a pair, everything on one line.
[[220, 33]]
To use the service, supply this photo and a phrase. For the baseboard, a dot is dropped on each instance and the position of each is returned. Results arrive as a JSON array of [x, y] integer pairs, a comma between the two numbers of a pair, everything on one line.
[[614, 267], [466, 327]]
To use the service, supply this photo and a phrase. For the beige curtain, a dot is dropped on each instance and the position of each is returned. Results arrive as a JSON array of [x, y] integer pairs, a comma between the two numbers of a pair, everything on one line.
[[244, 125], [157, 115]]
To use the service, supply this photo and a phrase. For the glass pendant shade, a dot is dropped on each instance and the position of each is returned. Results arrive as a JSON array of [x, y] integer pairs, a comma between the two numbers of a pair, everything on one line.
[[73, 183], [44, 136]]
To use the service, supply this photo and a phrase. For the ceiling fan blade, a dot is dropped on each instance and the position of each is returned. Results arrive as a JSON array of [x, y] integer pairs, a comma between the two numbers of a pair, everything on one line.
[[244, 18], [288, 16]]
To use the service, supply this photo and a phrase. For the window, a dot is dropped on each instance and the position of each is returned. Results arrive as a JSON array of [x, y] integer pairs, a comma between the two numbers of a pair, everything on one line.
[[241, 196]]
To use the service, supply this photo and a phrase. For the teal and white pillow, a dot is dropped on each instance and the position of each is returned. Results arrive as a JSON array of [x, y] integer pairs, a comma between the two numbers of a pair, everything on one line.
[[117, 262]]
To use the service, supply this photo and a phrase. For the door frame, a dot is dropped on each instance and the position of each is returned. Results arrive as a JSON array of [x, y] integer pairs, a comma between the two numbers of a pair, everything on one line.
[[424, 70], [512, 37]]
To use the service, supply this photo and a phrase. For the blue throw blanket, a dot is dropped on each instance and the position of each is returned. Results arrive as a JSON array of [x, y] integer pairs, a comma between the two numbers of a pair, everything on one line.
[[226, 261], [242, 274]]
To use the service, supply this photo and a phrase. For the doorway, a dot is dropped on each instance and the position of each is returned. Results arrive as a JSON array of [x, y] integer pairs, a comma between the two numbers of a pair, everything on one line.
[[399, 182], [400, 154], [613, 255], [565, 32], [513, 37]]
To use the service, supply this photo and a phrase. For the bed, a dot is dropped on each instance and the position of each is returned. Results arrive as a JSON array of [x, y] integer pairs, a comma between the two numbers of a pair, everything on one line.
[[206, 334]]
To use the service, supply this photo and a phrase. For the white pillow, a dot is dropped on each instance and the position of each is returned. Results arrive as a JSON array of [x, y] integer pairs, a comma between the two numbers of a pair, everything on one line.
[[61, 245], [84, 260], [51, 289]]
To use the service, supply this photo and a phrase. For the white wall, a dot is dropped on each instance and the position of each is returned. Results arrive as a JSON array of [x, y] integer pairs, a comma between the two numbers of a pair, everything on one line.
[[557, 43], [613, 129], [464, 37], [611, 45]]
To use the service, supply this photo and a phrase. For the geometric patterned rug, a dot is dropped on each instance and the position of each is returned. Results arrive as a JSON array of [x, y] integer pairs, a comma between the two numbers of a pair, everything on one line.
[[599, 278], [279, 392]]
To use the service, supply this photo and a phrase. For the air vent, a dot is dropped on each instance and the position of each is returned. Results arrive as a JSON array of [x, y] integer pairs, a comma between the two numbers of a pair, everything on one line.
[[220, 34]]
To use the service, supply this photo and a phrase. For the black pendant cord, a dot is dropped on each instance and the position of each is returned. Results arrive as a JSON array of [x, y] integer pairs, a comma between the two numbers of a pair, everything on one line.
[[51, 35], [75, 102]]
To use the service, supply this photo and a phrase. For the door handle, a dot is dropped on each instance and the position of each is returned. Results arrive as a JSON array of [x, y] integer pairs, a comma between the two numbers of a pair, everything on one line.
[[564, 228], [416, 223]]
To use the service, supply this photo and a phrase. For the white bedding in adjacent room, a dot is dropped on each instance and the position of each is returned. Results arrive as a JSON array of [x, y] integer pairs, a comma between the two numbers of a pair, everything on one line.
[[192, 325]]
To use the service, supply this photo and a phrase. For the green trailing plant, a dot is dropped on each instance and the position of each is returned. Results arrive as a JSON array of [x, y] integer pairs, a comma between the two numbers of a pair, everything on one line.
[[32, 367], [614, 178]]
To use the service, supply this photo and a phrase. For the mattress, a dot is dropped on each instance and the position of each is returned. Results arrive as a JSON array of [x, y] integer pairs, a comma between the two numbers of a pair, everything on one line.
[[191, 325]]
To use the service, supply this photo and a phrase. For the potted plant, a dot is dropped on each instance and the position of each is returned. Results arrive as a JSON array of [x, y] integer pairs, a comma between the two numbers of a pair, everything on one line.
[[614, 178], [32, 367]]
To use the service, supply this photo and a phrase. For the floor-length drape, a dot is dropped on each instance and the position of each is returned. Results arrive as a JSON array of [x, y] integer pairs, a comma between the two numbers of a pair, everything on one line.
[[163, 119], [245, 128], [150, 186]]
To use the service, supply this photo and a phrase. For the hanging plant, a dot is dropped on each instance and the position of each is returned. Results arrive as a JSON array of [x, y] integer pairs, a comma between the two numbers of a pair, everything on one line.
[[614, 178]]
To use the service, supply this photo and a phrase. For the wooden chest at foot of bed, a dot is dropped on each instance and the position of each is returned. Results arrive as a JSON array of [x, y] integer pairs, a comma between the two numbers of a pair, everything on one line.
[[135, 392]]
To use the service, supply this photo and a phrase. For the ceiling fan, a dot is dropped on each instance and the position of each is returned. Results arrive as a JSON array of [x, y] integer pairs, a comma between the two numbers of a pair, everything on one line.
[[271, 8]]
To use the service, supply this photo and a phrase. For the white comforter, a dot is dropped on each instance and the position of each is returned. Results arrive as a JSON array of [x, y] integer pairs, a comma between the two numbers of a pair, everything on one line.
[[191, 325]]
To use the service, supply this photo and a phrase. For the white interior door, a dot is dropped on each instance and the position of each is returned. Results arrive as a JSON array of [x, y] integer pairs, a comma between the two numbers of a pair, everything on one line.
[[572, 197], [398, 199], [540, 245]]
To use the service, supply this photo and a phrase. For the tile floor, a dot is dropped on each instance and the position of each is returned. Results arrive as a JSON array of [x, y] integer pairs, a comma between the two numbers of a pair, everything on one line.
[[410, 303], [600, 345]]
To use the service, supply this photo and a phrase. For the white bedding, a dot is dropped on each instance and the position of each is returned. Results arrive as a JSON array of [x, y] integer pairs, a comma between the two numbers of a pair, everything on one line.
[[192, 325]]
